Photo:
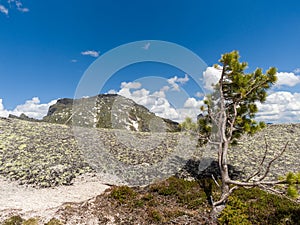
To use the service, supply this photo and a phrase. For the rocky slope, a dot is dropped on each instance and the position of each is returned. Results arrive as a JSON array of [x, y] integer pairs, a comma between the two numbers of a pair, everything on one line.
[[250, 150], [107, 111], [44, 154]]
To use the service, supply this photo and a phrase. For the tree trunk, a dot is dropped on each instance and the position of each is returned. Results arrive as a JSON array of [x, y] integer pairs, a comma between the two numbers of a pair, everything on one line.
[[224, 169], [225, 189]]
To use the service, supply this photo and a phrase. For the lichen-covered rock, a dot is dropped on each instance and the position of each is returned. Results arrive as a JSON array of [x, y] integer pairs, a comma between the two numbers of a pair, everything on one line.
[[40, 154], [249, 151], [45, 154]]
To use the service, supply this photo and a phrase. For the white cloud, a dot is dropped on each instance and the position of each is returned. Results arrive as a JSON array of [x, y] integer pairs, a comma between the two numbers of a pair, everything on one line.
[[20, 7], [13, 3], [199, 94], [211, 76], [175, 80], [190, 109], [184, 79], [91, 53], [3, 112], [187, 112], [111, 91], [3, 9], [131, 85], [161, 93], [32, 108], [140, 93], [146, 46], [23, 9], [157, 102], [192, 103], [297, 70], [74, 60], [281, 107], [287, 79], [126, 89]]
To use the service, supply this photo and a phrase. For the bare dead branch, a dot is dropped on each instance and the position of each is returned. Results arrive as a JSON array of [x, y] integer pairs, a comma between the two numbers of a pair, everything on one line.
[[232, 122], [272, 190], [213, 177], [261, 163], [273, 160], [255, 183], [225, 197]]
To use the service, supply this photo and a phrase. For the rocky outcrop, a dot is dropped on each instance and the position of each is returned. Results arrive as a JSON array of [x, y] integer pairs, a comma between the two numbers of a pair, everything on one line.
[[23, 117], [108, 111]]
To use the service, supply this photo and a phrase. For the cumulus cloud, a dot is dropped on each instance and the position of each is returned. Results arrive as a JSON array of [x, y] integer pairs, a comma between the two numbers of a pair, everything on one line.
[[3, 112], [112, 92], [126, 88], [190, 109], [281, 107], [3, 9], [211, 76], [162, 92], [131, 85], [157, 102], [287, 79], [175, 81], [297, 70], [192, 103], [199, 94], [92, 53], [32, 108]]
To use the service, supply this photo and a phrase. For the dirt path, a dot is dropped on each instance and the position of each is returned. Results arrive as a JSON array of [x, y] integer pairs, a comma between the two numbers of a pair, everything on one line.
[[30, 202]]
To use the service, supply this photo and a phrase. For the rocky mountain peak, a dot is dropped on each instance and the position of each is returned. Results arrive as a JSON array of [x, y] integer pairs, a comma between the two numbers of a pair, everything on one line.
[[108, 111]]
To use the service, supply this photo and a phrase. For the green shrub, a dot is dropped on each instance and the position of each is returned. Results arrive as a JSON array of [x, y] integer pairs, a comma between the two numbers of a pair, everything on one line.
[[293, 180], [292, 191], [14, 220], [123, 194], [235, 213], [31, 221], [155, 215], [260, 207], [54, 221], [187, 193]]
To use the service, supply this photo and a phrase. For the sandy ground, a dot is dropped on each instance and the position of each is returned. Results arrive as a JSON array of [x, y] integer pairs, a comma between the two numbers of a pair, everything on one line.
[[31, 202]]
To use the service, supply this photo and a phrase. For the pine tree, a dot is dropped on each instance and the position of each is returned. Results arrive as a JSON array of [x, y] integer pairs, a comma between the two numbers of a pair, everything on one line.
[[230, 112]]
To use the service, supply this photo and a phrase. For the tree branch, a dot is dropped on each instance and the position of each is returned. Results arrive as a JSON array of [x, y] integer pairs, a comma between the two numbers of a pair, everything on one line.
[[275, 158], [225, 197], [261, 163]]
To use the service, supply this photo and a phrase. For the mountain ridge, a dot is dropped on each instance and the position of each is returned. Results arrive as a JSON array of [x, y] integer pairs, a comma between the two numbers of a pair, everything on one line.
[[108, 111]]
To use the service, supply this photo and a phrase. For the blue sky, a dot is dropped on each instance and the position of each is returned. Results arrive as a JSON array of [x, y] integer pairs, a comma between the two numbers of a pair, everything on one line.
[[46, 46]]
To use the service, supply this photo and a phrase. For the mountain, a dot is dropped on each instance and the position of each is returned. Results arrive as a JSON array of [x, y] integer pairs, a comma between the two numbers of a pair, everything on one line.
[[23, 117], [108, 111]]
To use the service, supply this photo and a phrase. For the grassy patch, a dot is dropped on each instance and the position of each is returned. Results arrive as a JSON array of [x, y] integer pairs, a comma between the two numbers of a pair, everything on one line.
[[254, 206], [123, 194]]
